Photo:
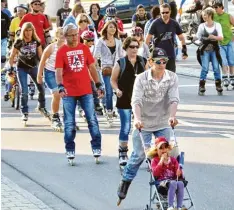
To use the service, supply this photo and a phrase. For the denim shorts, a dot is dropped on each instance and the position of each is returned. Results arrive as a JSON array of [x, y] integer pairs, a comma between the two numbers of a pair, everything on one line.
[[50, 80], [227, 54]]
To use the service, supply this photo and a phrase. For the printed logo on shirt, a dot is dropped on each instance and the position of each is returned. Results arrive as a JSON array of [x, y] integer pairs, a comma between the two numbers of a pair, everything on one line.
[[167, 36], [76, 60], [29, 50], [64, 15]]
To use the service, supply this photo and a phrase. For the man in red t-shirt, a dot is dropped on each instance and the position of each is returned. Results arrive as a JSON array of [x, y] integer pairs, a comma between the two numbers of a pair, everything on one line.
[[74, 62], [39, 21]]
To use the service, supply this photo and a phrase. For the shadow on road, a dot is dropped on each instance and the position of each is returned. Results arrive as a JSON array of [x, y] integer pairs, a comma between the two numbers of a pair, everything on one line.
[[89, 186]]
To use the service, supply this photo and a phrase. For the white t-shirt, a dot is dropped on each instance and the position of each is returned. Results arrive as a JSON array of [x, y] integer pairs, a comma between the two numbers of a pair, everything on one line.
[[216, 26]]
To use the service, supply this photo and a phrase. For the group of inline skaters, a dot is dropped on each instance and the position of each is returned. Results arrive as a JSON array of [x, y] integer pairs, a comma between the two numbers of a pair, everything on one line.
[[91, 58]]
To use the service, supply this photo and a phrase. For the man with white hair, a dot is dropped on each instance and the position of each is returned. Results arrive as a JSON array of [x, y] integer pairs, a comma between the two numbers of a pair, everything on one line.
[[74, 65]]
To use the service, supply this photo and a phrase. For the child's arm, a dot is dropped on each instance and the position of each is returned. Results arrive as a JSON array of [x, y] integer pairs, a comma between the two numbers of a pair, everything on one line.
[[177, 171], [157, 167]]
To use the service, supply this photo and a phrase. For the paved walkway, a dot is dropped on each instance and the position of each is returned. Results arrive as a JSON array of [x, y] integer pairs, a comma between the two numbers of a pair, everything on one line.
[[15, 198]]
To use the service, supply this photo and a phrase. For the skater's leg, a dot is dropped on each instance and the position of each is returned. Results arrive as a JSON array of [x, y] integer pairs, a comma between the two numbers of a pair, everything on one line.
[[205, 58], [138, 154], [23, 83], [215, 65], [171, 193], [108, 93], [87, 105], [52, 85], [180, 194], [40, 88], [69, 108], [230, 56], [125, 122]]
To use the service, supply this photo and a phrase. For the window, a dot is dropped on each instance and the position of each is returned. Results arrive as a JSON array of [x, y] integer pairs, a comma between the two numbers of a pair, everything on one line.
[[121, 3]]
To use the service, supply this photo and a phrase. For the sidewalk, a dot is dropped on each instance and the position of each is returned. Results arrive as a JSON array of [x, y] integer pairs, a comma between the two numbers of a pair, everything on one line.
[[15, 198]]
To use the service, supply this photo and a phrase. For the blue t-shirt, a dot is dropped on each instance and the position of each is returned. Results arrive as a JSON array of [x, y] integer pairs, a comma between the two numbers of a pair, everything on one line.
[[167, 33], [70, 19], [6, 11]]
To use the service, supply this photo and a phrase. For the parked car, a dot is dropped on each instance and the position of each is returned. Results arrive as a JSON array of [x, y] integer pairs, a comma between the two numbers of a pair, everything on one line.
[[126, 8]]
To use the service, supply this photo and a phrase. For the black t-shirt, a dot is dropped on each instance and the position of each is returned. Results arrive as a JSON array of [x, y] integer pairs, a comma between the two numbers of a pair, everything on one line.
[[5, 24], [141, 21], [126, 82], [167, 33], [96, 22], [63, 14], [28, 56], [112, 49]]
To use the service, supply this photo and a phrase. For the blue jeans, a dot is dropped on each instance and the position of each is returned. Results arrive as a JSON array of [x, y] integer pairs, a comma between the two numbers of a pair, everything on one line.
[[69, 109], [22, 75], [125, 121], [206, 58], [50, 80], [4, 47], [109, 93], [227, 54], [138, 154]]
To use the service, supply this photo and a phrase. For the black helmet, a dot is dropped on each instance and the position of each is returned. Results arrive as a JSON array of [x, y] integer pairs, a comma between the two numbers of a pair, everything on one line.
[[111, 11], [23, 6], [217, 3]]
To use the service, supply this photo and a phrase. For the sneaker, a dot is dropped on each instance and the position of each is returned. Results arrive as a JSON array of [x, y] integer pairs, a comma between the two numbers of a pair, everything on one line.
[[24, 117], [170, 208]]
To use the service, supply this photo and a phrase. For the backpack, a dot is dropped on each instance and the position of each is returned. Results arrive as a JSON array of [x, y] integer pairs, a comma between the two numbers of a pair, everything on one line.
[[123, 64]]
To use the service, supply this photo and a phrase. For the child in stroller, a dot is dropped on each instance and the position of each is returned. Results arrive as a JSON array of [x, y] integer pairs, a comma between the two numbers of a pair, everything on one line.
[[168, 173]]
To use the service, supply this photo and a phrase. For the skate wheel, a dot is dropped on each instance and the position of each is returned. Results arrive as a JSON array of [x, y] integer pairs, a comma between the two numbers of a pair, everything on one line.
[[25, 123], [71, 162], [201, 94], [220, 93], [97, 161], [119, 202]]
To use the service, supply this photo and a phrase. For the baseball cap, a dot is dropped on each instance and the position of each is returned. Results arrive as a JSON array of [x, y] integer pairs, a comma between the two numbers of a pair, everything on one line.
[[159, 141], [140, 6], [159, 53]]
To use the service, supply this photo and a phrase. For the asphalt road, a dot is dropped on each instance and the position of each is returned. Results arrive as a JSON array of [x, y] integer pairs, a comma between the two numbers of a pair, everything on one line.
[[33, 157]]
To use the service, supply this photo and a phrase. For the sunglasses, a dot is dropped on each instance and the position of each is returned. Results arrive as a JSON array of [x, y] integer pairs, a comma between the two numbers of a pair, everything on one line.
[[134, 46], [163, 147], [91, 40], [83, 21], [37, 4], [165, 13], [160, 61]]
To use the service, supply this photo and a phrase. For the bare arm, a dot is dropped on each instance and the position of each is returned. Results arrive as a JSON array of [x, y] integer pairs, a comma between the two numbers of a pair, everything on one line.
[[232, 20], [14, 52], [114, 77], [59, 75], [57, 21], [39, 51], [45, 55], [148, 39], [93, 72], [182, 39]]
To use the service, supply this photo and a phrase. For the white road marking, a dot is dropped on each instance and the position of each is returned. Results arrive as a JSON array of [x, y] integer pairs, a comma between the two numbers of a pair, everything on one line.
[[227, 135], [210, 85], [187, 123]]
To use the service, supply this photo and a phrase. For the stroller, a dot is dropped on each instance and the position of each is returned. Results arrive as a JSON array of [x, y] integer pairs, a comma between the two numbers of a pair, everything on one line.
[[158, 198]]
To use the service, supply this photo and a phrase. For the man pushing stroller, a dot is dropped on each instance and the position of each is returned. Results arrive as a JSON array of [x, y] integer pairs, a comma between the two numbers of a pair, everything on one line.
[[154, 102]]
